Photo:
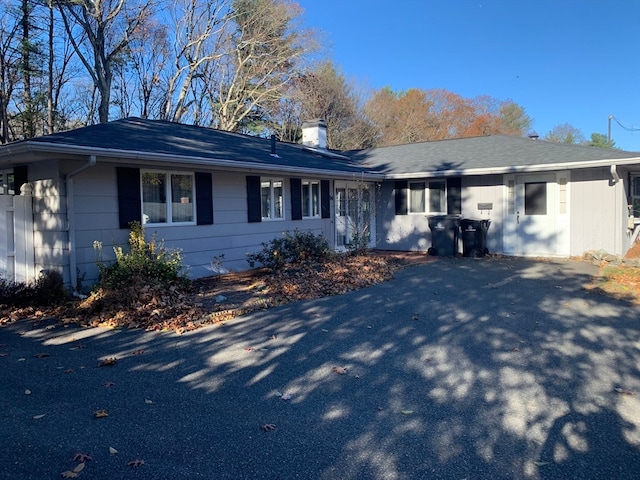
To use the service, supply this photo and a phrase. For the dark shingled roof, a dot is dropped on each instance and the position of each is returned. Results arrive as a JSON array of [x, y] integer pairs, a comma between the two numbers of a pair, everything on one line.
[[193, 142], [498, 152], [166, 141]]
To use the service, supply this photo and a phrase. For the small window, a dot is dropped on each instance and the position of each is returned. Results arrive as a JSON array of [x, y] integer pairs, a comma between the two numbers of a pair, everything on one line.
[[535, 198], [417, 197], [271, 198], [167, 197], [7, 183], [437, 197], [310, 198]]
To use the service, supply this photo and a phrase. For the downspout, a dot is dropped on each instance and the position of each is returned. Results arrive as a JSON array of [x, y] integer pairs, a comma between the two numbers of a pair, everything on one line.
[[615, 178], [73, 261]]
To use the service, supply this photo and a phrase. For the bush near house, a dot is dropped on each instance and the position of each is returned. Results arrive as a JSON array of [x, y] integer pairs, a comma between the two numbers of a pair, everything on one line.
[[291, 248], [47, 290]]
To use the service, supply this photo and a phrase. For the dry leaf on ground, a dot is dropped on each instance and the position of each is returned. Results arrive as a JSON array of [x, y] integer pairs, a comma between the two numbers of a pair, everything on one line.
[[107, 362], [135, 463], [101, 413], [267, 427], [340, 370], [82, 457]]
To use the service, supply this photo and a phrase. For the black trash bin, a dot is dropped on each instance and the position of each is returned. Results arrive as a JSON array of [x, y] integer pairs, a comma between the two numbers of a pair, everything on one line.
[[444, 235], [474, 237]]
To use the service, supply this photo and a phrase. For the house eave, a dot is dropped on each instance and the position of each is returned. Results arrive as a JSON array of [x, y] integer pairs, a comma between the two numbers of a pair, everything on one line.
[[36, 151]]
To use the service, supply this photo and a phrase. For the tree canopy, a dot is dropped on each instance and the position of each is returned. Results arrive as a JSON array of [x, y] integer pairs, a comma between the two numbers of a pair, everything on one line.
[[238, 65]]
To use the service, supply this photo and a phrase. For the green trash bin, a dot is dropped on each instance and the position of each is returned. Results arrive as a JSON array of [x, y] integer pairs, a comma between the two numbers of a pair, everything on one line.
[[474, 237], [444, 235]]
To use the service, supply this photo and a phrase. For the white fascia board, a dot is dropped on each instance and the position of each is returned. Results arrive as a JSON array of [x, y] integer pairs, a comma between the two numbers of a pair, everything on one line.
[[516, 169], [164, 158]]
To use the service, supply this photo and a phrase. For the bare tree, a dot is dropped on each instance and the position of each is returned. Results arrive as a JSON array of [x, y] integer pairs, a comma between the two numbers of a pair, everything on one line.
[[261, 56], [199, 26], [101, 31], [9, 60], [322, 93], [565, 133]]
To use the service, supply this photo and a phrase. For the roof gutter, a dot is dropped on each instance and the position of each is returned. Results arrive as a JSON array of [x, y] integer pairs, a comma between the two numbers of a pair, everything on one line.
[[71, 224], [517, 169]]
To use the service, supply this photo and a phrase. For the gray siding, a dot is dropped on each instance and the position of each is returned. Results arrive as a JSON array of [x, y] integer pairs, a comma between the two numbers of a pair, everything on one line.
[[97, 220]]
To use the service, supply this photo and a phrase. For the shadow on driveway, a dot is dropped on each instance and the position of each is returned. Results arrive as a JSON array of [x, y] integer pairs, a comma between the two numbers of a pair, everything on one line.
[[459, 368]]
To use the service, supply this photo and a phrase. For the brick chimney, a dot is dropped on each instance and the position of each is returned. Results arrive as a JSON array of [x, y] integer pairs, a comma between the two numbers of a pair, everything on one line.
[[314, 134]]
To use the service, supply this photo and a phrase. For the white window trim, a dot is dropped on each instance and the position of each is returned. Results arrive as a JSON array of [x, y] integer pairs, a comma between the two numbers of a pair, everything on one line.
[[427, 197], [272, 217], [311, 182], [169, 206]]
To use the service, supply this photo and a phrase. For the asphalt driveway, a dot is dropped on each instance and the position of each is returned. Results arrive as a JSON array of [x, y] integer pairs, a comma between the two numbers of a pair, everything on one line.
[[457, 369]]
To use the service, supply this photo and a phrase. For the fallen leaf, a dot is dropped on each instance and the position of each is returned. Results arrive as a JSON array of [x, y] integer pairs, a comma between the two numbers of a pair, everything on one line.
[[249, 349], [135, 463], [340, 370], [82, 457], [108, 384], [541, 464], [622, 391], [79, 467], [38, 417], [27, 392], [69, 370], [41, 355], [148, 402], [3, 354], [107, 362], [101, 413], [286, 396], [70, 474], [277, 393], [406, 412], [21, 359], [267, 427], [139, 351], [113, 451]]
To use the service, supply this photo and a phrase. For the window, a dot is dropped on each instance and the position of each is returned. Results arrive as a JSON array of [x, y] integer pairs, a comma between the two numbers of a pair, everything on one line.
[[310, 198], [535, 198], [7, 183], [437, 197], [635, 195], [167, 197], [417, 197], [271, 198]]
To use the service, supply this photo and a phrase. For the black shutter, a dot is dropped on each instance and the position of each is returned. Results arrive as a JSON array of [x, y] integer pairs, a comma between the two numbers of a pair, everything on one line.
[[254, 206], [129, 202], [325, 198], [204, 198], [296, 199], [454, 196], [19, 177], [400, 187]]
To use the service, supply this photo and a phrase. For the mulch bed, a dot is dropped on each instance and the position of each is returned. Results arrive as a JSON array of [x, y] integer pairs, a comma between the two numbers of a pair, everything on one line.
[[224, 297]]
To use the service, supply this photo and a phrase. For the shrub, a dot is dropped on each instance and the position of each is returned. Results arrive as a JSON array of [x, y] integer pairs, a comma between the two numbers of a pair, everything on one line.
[[300, 246], [48, 289], [146, 263]]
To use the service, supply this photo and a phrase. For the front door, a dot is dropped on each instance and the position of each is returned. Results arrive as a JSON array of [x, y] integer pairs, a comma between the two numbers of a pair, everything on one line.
[[536, 222], [355, 227]]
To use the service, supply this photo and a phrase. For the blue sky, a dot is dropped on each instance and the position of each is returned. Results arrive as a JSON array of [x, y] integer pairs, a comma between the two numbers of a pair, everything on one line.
[[563, 61]]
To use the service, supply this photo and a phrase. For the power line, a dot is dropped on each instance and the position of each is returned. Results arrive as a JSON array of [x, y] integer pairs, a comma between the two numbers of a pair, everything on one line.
[[632, 128]]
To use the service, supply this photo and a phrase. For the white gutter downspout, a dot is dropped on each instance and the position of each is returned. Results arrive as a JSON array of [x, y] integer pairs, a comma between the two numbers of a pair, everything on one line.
[[615, 178], [73, 274]]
